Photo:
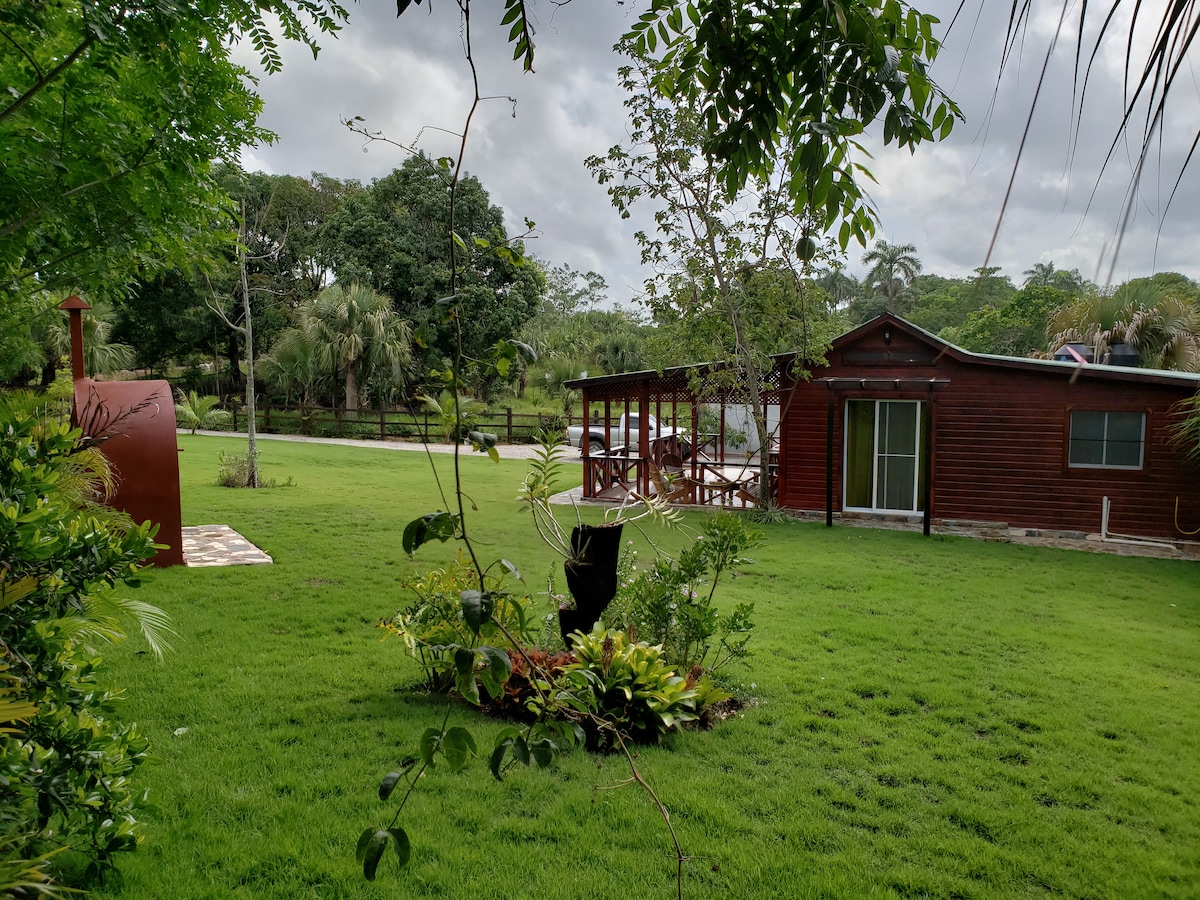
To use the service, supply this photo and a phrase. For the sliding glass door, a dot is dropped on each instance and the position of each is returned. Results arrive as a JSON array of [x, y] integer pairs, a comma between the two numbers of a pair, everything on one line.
[[883, 453]]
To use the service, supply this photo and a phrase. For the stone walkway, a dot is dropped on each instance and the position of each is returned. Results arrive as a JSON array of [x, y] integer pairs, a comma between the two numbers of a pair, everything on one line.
[[219, 545]]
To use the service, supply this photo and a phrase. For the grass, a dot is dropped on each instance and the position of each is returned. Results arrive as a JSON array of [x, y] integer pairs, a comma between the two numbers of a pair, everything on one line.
[[934, 717]]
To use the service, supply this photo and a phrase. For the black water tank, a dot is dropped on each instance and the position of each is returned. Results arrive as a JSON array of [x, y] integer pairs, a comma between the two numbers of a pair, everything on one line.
[[1062, 354], [1123, 355]]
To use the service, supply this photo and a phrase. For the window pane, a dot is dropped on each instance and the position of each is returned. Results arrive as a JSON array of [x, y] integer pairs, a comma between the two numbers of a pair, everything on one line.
[[1087, 426], [860, 448], [897, 476], [898, 428], [1125, 427], [1107, 439]]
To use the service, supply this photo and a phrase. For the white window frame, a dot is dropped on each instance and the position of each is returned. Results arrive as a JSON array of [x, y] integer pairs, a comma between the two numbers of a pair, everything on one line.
[[875, 487]]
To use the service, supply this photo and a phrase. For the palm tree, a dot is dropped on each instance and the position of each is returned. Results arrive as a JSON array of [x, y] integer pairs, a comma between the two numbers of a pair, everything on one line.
[[1045, 275], [52, 334], [893, 266], [194, 411], [1160, 323], [356, 334], [294, 368]]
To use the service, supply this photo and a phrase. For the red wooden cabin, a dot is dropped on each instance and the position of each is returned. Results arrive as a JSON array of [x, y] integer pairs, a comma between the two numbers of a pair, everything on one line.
[[899, 422]]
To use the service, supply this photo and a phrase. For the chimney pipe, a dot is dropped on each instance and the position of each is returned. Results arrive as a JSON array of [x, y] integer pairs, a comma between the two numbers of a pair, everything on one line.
[[75, 306]]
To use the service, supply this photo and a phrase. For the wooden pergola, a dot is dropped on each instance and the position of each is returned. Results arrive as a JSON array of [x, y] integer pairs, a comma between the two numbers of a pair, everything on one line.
[[695, 465]]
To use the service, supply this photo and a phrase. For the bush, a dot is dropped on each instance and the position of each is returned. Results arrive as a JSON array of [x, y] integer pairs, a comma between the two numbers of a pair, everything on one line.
[[671, 604], [433, 626], [628, 684], [66, 771], [233, 469]]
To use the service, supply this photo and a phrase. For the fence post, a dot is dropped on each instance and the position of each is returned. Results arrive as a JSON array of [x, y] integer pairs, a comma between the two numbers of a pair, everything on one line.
[[337, 415], [382, 421], [510, 434], [266, 417], [234, 405]]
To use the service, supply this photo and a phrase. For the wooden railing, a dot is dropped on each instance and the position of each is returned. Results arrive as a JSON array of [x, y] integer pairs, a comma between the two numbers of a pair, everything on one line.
[[508, 426]]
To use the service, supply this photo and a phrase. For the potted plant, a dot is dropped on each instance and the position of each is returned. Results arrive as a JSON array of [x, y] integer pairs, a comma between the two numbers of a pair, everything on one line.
[[590, 552]]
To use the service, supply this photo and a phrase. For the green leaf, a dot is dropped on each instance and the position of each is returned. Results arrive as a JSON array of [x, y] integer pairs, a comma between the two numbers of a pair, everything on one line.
[[364, 841], [496, 671], [504, 742], [390, 780], [429, 745], [374, 852], [477, 608], [543, 752], [464, 665], [527, 353], [402, 845], [459, 746], [439, 526]]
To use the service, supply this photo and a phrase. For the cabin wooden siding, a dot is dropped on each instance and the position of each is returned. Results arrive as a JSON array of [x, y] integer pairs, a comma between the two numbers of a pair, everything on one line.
[[1000, 437]]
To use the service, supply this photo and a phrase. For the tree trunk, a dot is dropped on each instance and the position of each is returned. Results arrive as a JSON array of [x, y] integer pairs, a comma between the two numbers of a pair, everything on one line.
[[248, 331], [351, 392]]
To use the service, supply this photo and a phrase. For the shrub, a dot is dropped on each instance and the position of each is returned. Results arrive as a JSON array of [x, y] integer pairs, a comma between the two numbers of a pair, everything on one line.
[[628, 684], [233, 470], [534, 669], [433, 626], [66, 769], [671, 603]]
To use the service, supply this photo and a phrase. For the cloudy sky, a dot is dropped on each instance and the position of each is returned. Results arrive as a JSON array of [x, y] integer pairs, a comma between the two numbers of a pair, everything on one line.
[[407, 78]]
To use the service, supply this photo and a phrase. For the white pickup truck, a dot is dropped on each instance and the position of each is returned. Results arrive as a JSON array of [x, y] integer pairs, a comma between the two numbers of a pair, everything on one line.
[[599, 440]]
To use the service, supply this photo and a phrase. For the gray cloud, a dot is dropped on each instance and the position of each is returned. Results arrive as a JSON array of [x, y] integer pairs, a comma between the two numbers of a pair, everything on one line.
[[407, 78]]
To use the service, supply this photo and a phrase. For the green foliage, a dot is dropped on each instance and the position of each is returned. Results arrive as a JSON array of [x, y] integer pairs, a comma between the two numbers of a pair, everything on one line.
[[454, 416], [672, 602], [346, 331], [394, 236], [1158, 317], [233, 469], [810, 77], [1185, 430], [195, 412], [628, 685], [112, 118], [437, 623], [1016, 328], [66, 770]]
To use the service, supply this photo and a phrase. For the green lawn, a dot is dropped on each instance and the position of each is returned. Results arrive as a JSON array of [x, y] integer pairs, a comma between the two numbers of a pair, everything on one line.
[[934, 717]]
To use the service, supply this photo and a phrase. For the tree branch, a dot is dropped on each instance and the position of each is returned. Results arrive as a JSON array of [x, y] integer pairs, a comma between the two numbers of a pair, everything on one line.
[[41, 83]]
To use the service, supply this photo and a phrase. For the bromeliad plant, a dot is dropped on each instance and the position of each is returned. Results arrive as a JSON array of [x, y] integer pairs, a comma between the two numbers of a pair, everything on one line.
[[625, 684]]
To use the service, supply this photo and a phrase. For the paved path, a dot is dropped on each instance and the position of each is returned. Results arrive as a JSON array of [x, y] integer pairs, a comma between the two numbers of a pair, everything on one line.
[[507, 451]]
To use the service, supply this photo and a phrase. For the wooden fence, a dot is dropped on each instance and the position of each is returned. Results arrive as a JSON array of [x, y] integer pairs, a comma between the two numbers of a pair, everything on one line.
[[382, 424]]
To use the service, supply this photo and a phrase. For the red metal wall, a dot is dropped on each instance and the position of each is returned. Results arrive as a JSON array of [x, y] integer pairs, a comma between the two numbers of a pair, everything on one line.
[[1000, 438], [137, 420]]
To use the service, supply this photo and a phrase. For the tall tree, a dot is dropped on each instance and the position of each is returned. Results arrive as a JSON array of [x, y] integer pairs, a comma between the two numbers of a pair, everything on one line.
[[893, 266], [112, 118], [392, 236], [355, 334], [1046, 275], [730, 280]]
